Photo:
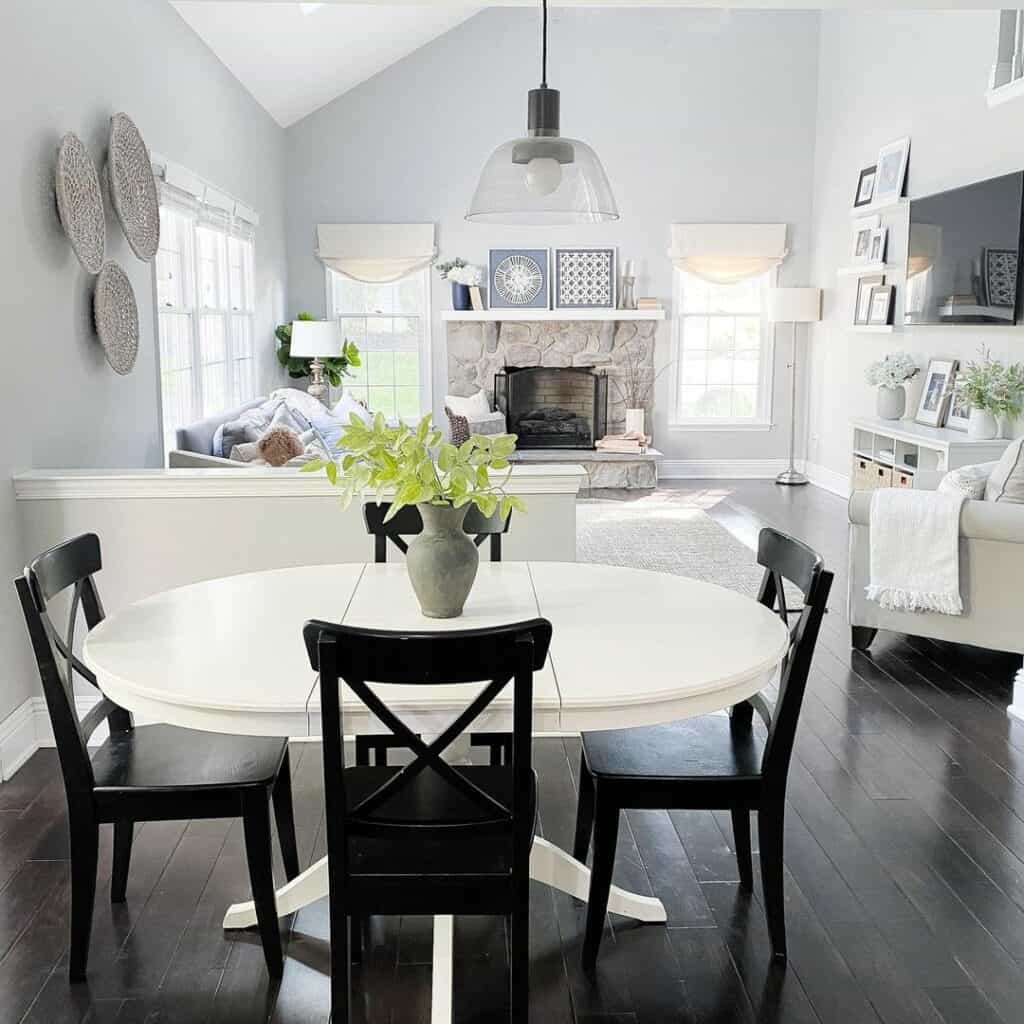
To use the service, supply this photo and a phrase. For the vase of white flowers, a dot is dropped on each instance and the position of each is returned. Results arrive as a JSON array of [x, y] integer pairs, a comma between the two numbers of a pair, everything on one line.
[[462, 276], [889, 375]]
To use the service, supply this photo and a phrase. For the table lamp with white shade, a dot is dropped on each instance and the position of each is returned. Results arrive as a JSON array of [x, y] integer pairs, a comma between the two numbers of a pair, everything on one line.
[[793, 306], [316, 340]]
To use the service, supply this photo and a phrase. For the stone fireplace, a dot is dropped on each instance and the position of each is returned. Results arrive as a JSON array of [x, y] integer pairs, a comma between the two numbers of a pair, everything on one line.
[[479, 350], [553, 406]]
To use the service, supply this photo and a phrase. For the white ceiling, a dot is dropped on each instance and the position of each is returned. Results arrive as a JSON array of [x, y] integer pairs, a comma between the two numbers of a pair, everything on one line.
[[295, 57]]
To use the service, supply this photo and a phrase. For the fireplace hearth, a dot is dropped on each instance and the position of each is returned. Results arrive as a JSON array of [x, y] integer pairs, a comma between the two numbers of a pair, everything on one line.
[[553, 406]]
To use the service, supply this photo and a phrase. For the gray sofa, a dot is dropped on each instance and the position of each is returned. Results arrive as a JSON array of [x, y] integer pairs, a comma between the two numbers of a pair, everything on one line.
[[991, 571], [197, 438]]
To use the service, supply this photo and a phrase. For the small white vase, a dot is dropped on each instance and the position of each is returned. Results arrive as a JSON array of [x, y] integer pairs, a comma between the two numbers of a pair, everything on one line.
[[635, 421], [891, 402], [981, 425]]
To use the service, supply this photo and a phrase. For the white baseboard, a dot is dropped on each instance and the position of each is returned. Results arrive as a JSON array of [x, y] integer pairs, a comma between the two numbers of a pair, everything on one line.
[[828, 479], [721, 469], [18, 740]]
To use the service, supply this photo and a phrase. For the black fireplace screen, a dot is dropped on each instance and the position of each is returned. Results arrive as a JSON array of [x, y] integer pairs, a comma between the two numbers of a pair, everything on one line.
[[553, 406]]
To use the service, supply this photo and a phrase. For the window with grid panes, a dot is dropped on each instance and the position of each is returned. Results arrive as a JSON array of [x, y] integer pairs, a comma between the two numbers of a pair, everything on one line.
[[391, 325], [205, 314], [723, 353]]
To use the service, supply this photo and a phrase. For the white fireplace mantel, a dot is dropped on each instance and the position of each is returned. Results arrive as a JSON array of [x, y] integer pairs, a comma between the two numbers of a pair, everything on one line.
[[550, 315]]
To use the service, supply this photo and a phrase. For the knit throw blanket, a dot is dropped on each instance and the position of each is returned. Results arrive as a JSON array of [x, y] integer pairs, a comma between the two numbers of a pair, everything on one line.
[[915, 551]]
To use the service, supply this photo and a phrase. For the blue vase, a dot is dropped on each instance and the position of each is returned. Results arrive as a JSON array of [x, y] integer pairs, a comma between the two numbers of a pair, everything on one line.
[[460, 296]]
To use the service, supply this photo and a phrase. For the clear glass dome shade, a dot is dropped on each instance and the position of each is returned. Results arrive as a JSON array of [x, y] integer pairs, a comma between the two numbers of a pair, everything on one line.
[[543, 180]]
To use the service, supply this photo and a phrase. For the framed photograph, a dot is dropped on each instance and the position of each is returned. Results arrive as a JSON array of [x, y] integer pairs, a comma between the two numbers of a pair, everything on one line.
[[860, 241], [880, 305], [936, 392], [876, 248], [863, 306], [959, 410], [891, 170], [519, 278], [865, 187], [585, 278]]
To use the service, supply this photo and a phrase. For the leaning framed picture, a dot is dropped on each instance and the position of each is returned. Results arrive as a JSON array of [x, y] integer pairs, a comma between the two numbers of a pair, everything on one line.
[[891, 173], [863, 305], [584, 278], [959, 410], [865, 187], [860, 239], [519, 278], [876, 247], [936, 392]]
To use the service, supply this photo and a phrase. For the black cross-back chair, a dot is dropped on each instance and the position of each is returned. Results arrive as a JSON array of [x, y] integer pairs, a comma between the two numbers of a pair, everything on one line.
[[712, 762], [144, 773], [407, 522], [428, 837]]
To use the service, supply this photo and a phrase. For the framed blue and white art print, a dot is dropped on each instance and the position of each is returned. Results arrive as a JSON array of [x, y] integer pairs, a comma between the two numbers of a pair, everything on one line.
[[519, 278], [585, 278]]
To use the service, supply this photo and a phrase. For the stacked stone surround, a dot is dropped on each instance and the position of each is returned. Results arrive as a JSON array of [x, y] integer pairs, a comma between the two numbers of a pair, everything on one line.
[[478, 350]]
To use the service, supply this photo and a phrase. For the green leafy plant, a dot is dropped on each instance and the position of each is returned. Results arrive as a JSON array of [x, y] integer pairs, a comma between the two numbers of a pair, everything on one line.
[[419, 467], [992, 385], [335, 367]]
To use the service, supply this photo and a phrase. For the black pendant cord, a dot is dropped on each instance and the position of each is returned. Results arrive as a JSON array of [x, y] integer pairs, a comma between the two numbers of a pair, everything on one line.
[[544, 46]]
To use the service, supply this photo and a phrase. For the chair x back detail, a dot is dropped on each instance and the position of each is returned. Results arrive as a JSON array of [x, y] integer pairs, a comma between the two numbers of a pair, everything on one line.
[[145, 773], [407, 522], [713, 762], [428, 837]]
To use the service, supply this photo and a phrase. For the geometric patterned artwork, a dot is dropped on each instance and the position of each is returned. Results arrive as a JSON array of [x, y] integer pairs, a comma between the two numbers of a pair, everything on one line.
[[518, 278], [585, 279], [1001, 277], [80, 202], [133, 187], [117, 317]]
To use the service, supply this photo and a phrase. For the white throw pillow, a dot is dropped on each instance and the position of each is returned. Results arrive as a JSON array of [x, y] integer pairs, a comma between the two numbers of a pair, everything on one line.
[[474, 408], [1007, 480], [969, 480], [346, 405]]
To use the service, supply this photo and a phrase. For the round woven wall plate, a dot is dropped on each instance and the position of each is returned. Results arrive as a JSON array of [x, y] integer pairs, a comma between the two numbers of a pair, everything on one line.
[[117, 317], [133, 187], [80, 202]]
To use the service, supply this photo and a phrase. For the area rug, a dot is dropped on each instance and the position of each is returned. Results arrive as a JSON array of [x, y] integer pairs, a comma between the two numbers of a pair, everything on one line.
[[665, 537]]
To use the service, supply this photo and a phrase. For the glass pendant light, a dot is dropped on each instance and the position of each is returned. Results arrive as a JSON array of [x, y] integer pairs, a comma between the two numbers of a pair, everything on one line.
[[542, 178]]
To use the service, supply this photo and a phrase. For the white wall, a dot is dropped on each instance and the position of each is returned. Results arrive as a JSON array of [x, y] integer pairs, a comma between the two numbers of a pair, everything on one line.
[[696, 115], [68, 66], [883, 75]]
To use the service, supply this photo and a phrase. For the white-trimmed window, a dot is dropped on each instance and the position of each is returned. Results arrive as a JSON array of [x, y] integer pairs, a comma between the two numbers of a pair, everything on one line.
[[205, 312], [390, 323], [723, 353]]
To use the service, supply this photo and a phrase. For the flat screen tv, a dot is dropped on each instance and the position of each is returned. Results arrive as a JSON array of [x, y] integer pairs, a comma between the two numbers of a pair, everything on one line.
[[963, 255]]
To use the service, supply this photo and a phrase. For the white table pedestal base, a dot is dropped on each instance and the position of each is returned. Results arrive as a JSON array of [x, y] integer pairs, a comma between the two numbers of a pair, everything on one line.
[[548, 864]]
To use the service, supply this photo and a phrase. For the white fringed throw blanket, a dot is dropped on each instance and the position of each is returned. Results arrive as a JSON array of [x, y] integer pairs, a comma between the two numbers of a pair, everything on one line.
[[915, 551]]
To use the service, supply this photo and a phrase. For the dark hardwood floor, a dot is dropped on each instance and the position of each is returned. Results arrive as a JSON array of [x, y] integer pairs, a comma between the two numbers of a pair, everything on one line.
[[904, 858]]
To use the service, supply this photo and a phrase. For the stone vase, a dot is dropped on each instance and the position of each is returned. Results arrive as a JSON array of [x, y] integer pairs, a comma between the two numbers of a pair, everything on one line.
[[442, 561], [635, 421], [891, 402], [982, 425]]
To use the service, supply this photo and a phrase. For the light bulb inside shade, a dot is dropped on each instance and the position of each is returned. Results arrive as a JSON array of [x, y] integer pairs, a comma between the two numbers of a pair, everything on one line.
[[543, 176]]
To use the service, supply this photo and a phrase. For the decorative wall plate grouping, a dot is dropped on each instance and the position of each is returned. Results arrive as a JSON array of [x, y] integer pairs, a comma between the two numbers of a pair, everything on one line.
[[137, 205]]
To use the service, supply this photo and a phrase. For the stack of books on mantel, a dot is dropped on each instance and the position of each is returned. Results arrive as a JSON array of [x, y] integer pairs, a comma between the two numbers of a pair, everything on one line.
[[632, 443], [648, 303]]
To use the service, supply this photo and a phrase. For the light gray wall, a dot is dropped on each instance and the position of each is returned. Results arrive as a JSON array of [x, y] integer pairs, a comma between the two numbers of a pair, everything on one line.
[[696, 115], [883, 75], [68, 66]]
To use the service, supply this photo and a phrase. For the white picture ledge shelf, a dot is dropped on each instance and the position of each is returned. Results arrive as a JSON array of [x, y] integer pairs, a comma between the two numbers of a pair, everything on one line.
[[873, 328], [863, 269], [885, 204], [553, 315]]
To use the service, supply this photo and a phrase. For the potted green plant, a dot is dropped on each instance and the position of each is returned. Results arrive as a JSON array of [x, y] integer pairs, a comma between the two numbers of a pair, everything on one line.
[[992, 389], [442, 480], [335, 367], [889, 375]]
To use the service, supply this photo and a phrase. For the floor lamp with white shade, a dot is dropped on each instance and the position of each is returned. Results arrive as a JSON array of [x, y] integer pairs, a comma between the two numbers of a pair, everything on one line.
[[793, 306]]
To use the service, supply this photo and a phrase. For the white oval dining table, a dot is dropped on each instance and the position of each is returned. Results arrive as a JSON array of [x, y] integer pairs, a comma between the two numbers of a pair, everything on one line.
[[629, 648]]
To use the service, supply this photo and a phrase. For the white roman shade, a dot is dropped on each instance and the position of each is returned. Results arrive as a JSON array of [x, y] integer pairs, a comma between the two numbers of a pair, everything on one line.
[[375, 253], [727, 253]]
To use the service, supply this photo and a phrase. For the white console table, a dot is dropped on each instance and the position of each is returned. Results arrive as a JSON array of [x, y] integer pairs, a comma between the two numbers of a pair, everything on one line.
[[902, 453]]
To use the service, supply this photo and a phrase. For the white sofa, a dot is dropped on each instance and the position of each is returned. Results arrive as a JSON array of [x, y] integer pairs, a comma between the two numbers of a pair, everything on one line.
[[991, 581]]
